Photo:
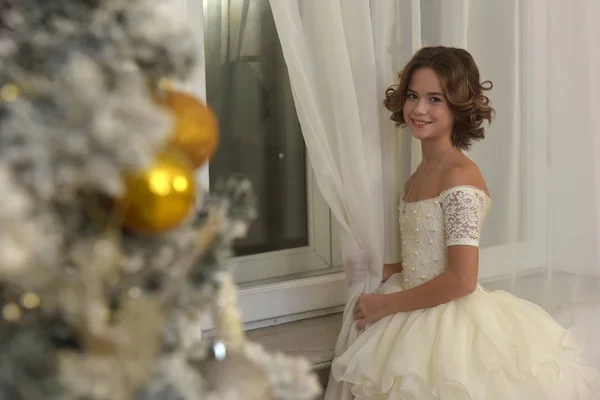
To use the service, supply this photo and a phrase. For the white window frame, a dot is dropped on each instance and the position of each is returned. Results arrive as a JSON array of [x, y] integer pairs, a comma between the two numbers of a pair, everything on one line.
[[273, 301], [317, 256]]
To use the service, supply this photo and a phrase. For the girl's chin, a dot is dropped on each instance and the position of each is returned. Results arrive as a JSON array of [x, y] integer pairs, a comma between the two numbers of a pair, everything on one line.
[[420, 133]]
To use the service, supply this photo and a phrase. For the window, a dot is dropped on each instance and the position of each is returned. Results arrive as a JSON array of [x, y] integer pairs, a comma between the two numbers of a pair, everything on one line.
[[247, 85], [287, 266]]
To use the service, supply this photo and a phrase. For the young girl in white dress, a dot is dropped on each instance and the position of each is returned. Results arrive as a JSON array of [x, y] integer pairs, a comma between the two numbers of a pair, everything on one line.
[[431, 332]]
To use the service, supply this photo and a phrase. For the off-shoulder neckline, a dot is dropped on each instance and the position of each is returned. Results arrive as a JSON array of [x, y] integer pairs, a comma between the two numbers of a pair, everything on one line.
[[446, 191]]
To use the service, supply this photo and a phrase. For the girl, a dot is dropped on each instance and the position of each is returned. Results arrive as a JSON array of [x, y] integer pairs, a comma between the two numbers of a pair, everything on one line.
[[431, 332]]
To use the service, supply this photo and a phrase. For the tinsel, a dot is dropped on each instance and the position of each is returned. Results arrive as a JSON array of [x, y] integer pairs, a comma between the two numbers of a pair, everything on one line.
[[89, 310]]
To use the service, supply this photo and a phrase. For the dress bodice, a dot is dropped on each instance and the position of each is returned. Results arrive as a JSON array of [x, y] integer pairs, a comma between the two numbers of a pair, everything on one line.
[[428, 227]]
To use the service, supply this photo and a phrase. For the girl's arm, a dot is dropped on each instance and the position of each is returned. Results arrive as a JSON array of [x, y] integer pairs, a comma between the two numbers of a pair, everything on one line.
[[459, 280]]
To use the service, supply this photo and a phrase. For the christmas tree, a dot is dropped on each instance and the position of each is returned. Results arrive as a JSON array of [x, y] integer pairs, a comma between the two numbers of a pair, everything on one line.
[[111, 253]]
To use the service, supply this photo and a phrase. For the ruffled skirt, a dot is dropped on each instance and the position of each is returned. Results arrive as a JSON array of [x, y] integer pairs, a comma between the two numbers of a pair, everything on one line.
[[486, 346]]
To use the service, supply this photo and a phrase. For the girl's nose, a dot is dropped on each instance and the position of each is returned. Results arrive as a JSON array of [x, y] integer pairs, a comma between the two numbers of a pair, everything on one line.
[[421, 107]]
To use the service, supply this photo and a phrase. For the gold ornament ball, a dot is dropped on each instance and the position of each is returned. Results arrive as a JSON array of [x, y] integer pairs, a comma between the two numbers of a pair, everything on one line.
[[195, 131], [161, 197]]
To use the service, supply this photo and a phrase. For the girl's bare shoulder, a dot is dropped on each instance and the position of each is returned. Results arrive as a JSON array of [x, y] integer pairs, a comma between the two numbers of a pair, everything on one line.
[[463, 172]]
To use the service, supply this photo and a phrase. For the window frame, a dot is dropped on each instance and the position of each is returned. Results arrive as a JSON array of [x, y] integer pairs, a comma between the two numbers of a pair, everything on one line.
[[316, 256], [313, 283]]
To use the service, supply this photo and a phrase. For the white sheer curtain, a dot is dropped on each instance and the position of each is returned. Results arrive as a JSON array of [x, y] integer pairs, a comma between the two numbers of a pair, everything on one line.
[[341, 56], [541, 158], [572, 48], [573, 104], [542, 154]]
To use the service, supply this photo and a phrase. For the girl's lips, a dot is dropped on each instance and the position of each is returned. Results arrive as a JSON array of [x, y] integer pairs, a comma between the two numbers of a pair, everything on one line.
[[419, 123]]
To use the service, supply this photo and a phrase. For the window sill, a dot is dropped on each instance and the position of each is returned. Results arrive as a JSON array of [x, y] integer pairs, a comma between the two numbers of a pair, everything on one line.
[[283, 301]]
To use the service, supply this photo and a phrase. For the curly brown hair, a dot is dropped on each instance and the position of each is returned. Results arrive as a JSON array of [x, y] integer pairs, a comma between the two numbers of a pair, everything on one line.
[[459, 76]]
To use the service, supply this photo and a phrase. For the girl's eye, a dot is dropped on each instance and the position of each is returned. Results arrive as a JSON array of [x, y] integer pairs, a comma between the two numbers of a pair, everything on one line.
[[411, 96], [435, 100]]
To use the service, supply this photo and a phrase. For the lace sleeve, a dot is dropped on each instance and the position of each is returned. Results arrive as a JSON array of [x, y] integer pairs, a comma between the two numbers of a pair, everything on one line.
[[462, 207]]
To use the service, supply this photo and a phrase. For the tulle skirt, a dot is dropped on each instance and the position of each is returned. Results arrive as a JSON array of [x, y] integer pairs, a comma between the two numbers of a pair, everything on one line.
[[486, 346]]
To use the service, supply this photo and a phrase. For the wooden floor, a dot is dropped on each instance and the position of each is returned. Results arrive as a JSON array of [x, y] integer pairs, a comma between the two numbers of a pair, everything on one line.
[[312, 338]]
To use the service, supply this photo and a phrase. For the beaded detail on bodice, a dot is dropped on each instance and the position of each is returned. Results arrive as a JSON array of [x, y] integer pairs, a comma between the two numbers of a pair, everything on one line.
[[428, 227]]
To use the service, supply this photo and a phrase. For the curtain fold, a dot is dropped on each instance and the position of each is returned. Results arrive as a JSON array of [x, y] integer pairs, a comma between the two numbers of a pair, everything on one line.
[[341, 56]]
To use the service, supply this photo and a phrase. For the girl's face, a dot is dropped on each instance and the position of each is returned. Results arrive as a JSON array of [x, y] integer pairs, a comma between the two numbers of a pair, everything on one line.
[[426, 109]]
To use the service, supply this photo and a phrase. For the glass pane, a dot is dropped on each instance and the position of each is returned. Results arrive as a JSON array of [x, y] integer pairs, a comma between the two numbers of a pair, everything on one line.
[[248, 87]]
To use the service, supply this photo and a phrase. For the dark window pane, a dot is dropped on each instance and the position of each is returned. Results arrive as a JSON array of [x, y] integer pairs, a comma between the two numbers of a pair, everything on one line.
[[248, 86]]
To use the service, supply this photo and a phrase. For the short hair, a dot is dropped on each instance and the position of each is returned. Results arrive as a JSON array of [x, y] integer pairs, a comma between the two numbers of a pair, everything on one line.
[[459, 76]]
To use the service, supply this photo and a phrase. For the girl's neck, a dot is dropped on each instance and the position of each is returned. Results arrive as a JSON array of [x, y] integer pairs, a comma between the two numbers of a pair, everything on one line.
[[432, 151]]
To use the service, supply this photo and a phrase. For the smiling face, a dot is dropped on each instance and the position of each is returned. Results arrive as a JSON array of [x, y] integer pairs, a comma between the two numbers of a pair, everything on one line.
[[426, 110]]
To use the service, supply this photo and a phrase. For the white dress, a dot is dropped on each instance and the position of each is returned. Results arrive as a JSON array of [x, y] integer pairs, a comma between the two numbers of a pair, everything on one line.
[[485, 346]]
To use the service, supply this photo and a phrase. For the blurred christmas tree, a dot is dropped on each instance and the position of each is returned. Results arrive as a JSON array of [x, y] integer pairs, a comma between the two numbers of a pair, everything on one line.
[[110, 254]]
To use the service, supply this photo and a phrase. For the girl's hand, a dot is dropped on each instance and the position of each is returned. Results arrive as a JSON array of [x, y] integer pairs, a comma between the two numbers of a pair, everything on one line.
[[370, 308]]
